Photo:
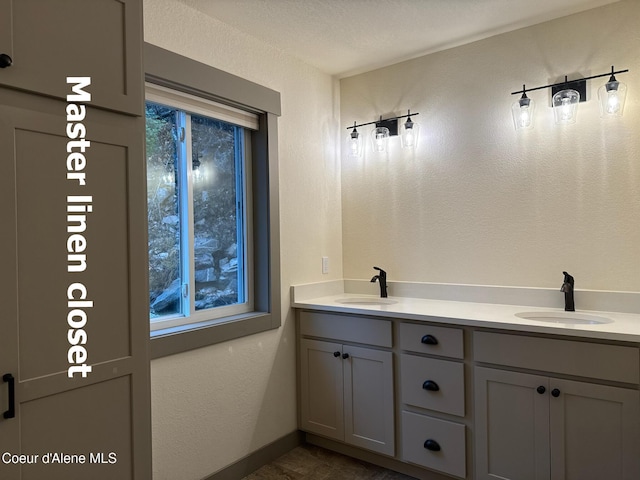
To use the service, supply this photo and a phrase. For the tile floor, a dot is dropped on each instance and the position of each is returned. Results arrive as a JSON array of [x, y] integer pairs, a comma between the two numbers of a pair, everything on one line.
[[315, 463]]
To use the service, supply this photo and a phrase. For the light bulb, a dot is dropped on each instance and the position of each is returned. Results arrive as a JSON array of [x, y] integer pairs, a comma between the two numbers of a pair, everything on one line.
[[354, 148], [565, 111], [379, 142], [613, 103], [409, 140]]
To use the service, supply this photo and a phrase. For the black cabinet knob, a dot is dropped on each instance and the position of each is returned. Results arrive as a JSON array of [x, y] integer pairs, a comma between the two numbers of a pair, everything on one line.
[[5, 60], [429, 340], [555, 392], [541, 389], [336, 354], [432, 445], [430, 385], [345, 355]]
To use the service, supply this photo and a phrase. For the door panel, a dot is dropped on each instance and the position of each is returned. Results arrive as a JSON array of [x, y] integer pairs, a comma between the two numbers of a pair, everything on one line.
[[41, 204], [512, 425], [321, 384], [94, 421], [49, 41], [108, 409], [595, 432], [368, 399]]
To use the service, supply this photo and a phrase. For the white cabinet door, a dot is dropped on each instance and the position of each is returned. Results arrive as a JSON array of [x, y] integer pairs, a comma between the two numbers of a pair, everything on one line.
[[512, 425], [321, 388], [595, 432], [368, 399]]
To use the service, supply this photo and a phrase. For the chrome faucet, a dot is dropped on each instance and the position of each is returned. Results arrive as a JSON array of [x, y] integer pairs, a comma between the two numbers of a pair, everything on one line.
[[382, 279], [567, 288]]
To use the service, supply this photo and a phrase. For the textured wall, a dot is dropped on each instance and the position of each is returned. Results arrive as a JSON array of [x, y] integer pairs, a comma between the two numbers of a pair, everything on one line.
[[480, 203], [215, 405]]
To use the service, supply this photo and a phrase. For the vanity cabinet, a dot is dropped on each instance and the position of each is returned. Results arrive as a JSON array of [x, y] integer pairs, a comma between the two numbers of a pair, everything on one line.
[[541, 427], [346, 380], [432, 383], [472, 403]]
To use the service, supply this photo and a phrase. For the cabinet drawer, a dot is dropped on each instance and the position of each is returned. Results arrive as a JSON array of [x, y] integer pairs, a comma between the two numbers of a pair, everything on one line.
[[445, 393], [344, 328], [584, 359], [419, 338], [449, 437]]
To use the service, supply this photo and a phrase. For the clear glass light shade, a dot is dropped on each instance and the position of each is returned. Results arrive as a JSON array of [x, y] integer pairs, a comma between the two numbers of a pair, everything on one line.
[[611, 97], [410, 134], [522, 112], [354, 144], [379, 139], [565, 106]]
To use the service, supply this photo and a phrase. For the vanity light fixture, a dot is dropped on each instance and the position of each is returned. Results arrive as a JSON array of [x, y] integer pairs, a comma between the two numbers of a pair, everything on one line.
[[355, 142], [522, 111], [612, 96], [380, 138], [410, 132], [383, 130], [567, 95]]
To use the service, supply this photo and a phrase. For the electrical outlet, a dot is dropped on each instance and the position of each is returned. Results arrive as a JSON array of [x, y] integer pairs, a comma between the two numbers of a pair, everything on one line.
[[325, 265]]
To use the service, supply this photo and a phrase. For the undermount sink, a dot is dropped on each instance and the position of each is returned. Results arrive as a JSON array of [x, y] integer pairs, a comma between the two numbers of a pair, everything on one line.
[[572, 318], [366, 301]]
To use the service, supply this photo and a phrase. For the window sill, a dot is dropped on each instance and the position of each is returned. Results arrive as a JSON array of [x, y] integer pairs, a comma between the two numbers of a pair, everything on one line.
[[189, 337]]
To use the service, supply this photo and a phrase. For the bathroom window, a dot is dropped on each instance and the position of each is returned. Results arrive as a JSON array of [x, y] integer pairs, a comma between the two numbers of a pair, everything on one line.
[[199, 229], [212, 191]]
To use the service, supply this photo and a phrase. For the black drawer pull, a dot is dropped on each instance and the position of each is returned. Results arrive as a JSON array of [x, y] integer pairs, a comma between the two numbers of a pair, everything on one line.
[[430, 385], [345, 355], [5, 60], [541, 389], [429, 340], [7, 377], [336, 354], [432, 445], [555, 392]]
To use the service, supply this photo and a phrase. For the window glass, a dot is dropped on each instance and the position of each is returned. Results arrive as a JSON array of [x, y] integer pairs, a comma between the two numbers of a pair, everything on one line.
[[218, 232], [197, 215], [163, 207]]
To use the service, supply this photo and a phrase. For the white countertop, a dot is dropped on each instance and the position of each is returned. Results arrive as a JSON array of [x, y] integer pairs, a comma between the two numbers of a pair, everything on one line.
[[623, 327]]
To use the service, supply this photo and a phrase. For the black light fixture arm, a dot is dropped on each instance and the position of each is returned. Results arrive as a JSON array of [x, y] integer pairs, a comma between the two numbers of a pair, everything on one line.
[[381, 120], [525, 90]]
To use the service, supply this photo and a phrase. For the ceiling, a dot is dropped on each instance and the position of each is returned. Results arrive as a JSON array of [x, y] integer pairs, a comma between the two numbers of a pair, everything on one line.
[[346, 37]]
